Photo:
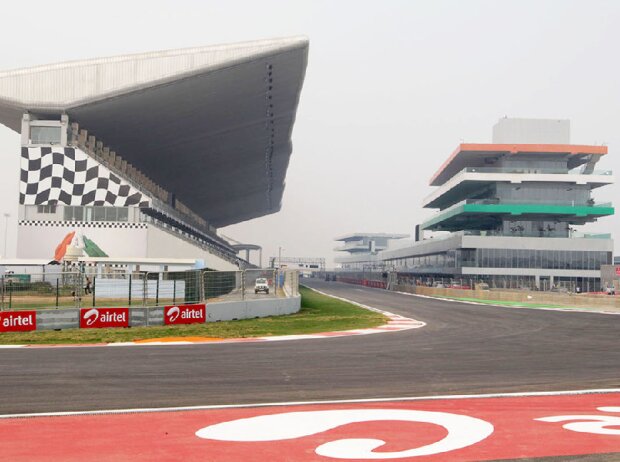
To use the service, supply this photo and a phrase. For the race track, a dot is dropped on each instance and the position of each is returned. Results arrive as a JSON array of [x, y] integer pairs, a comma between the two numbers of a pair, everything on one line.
[[463, 349]]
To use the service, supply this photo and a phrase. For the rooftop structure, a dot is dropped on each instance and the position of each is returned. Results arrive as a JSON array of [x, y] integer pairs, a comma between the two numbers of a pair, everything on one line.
[[359, 244], [511, 209], [185, 141]]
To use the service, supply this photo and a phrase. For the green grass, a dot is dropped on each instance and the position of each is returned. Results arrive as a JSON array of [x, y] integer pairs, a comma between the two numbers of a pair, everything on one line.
[[318, 314], [505, 302]]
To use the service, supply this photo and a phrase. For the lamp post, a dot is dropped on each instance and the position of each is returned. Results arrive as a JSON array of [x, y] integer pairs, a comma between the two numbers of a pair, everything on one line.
[[280, 249], [6, 228]]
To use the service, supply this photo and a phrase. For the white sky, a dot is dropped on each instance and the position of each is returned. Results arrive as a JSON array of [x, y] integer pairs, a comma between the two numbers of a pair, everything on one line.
[[391, 88]]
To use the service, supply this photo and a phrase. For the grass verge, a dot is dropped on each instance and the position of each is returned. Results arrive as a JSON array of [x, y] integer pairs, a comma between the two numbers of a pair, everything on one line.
[[506, 302], [318, 313]]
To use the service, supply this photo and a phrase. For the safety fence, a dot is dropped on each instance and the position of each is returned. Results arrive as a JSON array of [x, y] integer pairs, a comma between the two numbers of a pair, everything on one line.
[[66, 290]]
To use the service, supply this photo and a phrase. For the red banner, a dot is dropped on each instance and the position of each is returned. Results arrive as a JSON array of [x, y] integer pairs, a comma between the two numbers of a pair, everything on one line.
[[618, 270], [18, 321], [97, 318], [185, 314]]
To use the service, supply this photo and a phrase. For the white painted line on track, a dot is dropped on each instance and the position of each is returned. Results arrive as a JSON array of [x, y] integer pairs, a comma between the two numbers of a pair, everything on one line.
[[304, 403]]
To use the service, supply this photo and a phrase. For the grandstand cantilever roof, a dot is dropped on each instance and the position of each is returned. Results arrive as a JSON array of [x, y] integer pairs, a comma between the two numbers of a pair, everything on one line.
[[211, 124]]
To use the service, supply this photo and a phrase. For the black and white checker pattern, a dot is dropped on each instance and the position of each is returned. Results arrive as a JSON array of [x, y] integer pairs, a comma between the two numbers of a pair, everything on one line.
[[56, 175], [83, 224]]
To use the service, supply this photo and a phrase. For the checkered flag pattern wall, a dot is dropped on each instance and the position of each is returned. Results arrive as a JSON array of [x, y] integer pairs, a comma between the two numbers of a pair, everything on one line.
[[56, 175]]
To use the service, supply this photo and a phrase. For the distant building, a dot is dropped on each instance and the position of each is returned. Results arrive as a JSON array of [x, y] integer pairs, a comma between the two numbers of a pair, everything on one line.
[[362, 246], [509, 208]]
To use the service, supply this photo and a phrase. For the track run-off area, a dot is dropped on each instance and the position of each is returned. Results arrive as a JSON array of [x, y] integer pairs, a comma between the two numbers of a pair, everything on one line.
[[476, 382]]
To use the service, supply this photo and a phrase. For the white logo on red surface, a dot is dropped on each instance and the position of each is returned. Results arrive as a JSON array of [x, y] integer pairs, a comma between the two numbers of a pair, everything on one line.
[[185, 314], [19, 321], [597, 424], [104, 317], [91, 316], [173, 314], [462, 430]]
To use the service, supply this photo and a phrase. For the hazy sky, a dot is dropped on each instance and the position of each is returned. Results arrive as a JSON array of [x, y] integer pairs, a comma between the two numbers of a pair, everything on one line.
[[391, 88]]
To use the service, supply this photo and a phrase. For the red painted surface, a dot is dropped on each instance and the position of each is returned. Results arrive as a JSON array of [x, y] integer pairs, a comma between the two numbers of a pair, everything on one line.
[[97, 318], [168, 436], [18, 321], [61, 249], [185, 314]]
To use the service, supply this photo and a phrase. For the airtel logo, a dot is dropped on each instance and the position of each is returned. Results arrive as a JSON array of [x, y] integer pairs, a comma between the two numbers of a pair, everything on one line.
[[91, 316], [184, 314], [18, 320], [173, 313]]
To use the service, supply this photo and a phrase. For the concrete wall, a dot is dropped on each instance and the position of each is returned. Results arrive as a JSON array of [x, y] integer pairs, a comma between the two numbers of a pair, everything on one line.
[[139, 317], [227, 311], [41, 241], [532, 131]]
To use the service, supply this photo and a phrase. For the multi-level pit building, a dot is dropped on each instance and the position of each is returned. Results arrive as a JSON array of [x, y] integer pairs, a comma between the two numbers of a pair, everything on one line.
[[145, 156], [510, 209]]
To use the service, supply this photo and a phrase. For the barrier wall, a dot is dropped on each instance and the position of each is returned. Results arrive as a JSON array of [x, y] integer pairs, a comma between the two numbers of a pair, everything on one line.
[[362, 282], [154, 316]]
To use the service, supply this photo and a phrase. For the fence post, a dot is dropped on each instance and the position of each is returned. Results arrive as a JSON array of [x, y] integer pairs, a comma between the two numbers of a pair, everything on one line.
[[202, 287], [94, 289], [2, 305], [157, 291], [242, 285], [77, 290], [129, 295], [174, 291], [57, 292], [145, 288], [10, 294]]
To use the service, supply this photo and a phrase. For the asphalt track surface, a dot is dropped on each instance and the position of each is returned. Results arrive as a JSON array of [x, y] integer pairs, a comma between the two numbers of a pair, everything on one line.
[[463, 349]]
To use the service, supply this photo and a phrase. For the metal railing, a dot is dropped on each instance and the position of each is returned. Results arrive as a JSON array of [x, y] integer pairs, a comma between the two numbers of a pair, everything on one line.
[[555, 171], [143, 289]]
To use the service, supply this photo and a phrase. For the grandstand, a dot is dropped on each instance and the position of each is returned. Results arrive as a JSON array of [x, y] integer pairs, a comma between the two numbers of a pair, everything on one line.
[[149, 154]]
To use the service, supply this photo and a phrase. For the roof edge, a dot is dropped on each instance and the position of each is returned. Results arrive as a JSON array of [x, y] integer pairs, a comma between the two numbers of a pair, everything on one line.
[[515, 148]]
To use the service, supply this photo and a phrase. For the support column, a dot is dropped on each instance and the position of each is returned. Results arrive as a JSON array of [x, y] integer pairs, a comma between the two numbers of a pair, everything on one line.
[[25, 129]]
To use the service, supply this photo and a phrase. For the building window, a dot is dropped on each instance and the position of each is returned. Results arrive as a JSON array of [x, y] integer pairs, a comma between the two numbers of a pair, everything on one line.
[[73, 213], [44, 135], [48, 208], [96, 213]]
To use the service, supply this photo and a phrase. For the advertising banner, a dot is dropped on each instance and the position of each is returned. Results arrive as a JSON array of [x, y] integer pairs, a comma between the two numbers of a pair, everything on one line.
[[185, 314], [97, 318], [18, 321]]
